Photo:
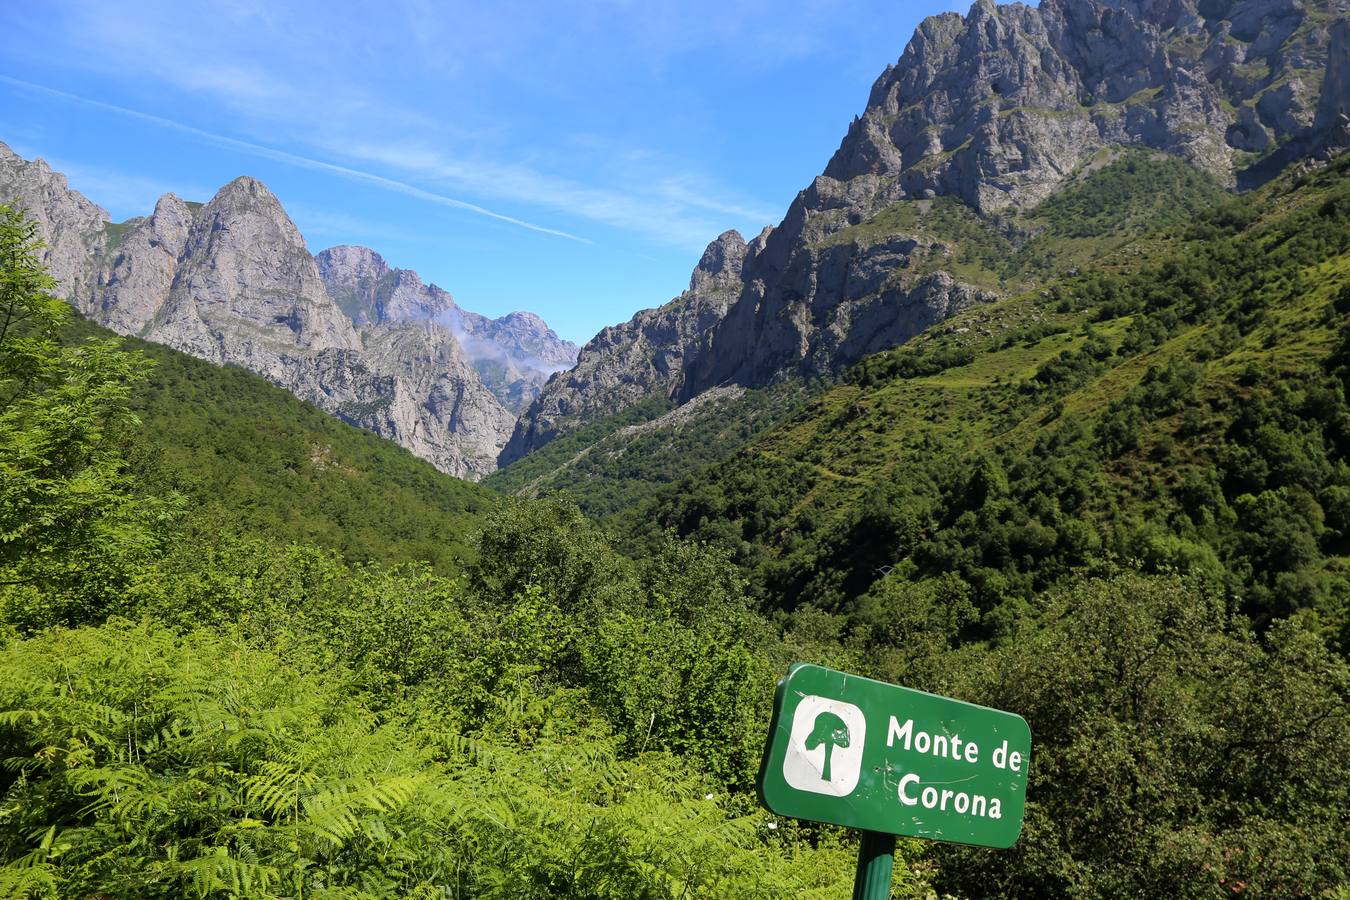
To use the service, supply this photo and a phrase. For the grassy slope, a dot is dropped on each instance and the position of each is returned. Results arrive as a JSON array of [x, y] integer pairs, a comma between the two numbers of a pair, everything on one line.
[[1117, 201], [253, 460], [619, 462], [1112, 205], [791, 500]]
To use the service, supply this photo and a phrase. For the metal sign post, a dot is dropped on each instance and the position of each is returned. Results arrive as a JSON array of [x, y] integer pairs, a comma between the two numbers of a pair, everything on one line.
[[876, 858]]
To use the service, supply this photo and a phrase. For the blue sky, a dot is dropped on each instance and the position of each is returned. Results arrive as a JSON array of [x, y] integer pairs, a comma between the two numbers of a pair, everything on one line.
[[571, 159]]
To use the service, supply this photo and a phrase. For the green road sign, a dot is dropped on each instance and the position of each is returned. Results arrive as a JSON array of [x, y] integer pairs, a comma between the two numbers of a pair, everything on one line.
[[856, 752]]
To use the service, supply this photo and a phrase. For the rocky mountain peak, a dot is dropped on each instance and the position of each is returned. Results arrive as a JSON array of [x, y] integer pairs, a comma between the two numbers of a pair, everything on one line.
[[70, 225], [646, 355], [513, 355], [248, 199], [525, 338], [997, 109], [1334, 106], [246, 289], [172, 208], [522, 319], [248, 186], [233, 282], [140, 265], [720, 263], [352, 261], [761, 239], [370, 291]]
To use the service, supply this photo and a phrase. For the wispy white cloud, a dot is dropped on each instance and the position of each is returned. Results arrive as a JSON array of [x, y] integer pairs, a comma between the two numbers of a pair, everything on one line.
[[122, 192], [667, 208], [293, 159], [288, 78]]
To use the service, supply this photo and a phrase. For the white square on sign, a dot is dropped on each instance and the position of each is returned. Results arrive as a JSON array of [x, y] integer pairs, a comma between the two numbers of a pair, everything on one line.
[[825, 748]]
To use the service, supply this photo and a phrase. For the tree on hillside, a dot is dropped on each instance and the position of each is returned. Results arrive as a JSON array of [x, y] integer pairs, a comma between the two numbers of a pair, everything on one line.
[[72, 527]]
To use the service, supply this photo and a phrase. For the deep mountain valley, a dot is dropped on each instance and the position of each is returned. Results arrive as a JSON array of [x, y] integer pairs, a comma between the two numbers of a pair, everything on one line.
[[313, 583]]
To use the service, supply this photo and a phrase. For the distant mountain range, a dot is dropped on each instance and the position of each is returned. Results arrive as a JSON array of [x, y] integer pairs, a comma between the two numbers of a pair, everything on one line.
[[232, 282]]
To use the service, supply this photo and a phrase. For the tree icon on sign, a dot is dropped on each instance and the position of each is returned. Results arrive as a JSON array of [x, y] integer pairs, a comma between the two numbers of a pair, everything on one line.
[[829, 730]]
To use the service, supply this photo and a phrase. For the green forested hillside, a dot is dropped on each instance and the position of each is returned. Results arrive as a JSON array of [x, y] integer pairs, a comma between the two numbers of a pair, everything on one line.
[[207, 689], [250, 459], [616, 463], [1185, 409], [1120, 206]]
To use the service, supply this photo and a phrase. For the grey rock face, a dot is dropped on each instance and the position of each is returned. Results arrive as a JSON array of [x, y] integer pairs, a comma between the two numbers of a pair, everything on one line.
[[513, 355], [233, 283], [1334, 106], [246, 290], [646, 355], [524, 337], [1329, 133], [429, 399], [370, 291], [248, 293], [72, 228], [139, 265], [996, 108]]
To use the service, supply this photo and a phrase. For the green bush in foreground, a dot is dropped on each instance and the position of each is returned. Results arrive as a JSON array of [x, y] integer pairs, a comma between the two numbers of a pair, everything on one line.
[[142, 763], [1175, 752]]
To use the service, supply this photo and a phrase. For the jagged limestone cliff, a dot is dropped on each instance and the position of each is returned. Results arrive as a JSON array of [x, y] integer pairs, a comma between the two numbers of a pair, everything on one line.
[[997, 109], [513, 355], [645, 355], [73, 229], [232, 282]]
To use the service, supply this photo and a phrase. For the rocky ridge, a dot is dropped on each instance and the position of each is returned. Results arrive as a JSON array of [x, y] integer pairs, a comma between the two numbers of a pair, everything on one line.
[[998, 109], [513, 355], [646, 355], [232, 282], [73, 229]]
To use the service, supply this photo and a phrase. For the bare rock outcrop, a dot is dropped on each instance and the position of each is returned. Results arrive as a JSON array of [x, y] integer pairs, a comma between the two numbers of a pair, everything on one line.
[[646, 355], [513, 355], [232, 282], [247, 292], [139, 266], [73, 229], [998, 108]]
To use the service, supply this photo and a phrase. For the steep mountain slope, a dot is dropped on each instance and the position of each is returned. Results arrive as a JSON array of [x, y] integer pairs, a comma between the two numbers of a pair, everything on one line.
[[612, 465], [254, 462], [246, 290], [996, 109], [644, 357], [139, 266], [1183, 405], [73, 228], [513, 355], [233, 282], [1109, 212], [983, 117]]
